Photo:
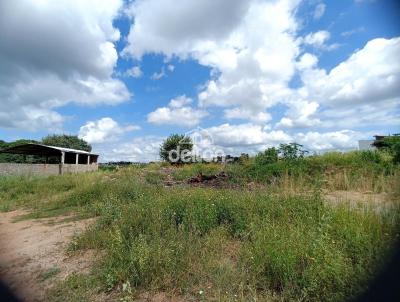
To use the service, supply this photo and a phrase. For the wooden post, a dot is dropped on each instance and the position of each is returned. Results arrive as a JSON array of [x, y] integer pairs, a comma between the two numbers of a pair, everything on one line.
[[88, 159], [76, 158]]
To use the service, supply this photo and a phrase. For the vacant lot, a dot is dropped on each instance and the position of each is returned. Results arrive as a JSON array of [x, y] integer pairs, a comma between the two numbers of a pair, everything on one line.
[[309, 229], [33, 252]]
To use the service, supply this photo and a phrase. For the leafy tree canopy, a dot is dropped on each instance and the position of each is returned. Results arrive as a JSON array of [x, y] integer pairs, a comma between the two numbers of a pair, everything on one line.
[[175, 143], [67, 141], [291, 151], [269, 156]]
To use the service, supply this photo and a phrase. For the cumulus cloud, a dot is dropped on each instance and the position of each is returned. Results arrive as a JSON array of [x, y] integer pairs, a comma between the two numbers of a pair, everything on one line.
[[140, 149], [55, 53], [251, 138], [251, 71], [248, 134], [307, 61], [328, 141], [301, 114], [177, 113], [180, 101], [370, 75], [176, 26], [363, 90], [251, 74], [244, 114], [103, 130], [234, 140]]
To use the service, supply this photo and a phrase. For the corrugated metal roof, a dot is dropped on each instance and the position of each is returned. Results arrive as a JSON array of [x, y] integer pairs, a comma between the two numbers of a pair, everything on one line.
[[39, 149], [71, 150]]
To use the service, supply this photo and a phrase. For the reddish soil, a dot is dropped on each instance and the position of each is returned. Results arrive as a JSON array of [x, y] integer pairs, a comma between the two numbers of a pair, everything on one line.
[[31, 249]]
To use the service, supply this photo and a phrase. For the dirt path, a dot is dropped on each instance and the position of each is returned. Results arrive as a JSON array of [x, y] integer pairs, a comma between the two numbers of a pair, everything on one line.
[[32, 253]]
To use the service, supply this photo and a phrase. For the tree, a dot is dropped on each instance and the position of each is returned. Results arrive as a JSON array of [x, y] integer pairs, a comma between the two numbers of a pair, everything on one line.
[[269, 156], [292, 151], [67, 141], [390, 144], [175, 148]]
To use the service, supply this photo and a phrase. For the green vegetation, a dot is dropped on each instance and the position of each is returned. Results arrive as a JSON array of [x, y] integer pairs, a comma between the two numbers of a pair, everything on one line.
[[269, 234], [175, 143], [391, 144], [17, 158], [50, 273], [66, 141]]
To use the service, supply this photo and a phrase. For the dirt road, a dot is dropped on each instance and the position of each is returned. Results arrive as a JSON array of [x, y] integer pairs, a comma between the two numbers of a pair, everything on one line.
[[32, 253]]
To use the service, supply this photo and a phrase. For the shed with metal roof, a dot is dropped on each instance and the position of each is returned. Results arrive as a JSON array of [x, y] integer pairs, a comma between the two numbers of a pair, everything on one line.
[[57, 160]]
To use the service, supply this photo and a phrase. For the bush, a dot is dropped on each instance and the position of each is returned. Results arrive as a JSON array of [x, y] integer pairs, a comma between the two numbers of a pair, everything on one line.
[[267, 157], [291, 151], [390, 144], [370, 156]]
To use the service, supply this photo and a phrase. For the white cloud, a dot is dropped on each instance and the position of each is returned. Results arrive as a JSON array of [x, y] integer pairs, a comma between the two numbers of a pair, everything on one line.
[[177, 113], [317, 39], [134, 72], [234, 140], [163, 72], [301, 114], [158, 75], [307, 61], [180, 101], [384, 113], [176, 26], [370, 76], [140, 149], [227, 135], [241, 113], [250, 71], [55, 53], [353, 31], [363, 90], [337, 140], [319, 10], [103, 130], [251, 138], [185, 116]]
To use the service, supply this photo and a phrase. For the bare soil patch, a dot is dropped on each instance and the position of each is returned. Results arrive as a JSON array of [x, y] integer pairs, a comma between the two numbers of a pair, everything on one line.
[[33, 253], [219, 180]]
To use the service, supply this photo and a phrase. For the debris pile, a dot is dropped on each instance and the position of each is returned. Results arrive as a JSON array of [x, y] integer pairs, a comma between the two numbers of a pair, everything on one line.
[[213, 179]]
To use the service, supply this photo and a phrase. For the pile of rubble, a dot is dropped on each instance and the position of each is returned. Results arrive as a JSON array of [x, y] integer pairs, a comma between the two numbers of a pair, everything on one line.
[[214, 179]]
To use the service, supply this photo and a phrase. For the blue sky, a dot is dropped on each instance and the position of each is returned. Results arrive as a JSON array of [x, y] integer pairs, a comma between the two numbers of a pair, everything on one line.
[[124, 75]]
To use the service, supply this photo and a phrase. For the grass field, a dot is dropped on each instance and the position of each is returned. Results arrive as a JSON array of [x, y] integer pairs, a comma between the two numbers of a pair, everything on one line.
[[268, 232]]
